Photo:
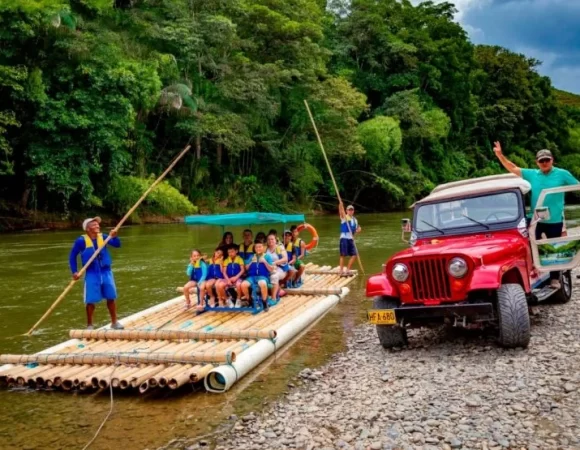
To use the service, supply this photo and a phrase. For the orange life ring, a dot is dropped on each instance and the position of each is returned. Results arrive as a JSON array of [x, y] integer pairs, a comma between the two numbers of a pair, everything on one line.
[[306, 226]]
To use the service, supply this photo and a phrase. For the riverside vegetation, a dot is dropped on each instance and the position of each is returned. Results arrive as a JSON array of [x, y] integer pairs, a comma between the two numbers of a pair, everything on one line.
[[99, 95]]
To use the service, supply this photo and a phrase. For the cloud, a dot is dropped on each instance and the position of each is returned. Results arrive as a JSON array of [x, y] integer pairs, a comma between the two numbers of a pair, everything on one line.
[[546, 30]]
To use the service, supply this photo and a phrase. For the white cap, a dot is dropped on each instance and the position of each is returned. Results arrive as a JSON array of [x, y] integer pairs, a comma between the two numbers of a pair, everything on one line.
[[92, 219], [349, 207]]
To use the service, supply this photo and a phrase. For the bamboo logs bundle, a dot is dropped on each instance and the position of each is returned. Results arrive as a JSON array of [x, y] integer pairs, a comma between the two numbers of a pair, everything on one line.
[[165, 346], [171, 335], [116, 358]]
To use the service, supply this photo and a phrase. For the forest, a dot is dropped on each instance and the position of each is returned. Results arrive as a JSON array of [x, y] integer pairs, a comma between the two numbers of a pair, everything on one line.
[[98, 96]]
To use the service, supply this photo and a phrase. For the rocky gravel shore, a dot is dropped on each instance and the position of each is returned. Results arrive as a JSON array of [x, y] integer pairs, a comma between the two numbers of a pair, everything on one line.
[[450, 389]]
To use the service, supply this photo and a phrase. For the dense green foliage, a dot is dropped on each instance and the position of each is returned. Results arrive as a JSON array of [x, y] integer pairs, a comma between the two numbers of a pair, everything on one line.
[[98, 97], [124, 191]]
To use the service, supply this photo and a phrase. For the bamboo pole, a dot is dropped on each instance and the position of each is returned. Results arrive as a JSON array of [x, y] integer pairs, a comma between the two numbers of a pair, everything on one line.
[[171, 334], [201, 373], [87, 380], [314, 291], [109, 237], [22, 374], [164, 377], [112, 358], [96, 380], [327, 272], [143, 376], [116, 381], [333, 181], [179, 380], [59, 377]]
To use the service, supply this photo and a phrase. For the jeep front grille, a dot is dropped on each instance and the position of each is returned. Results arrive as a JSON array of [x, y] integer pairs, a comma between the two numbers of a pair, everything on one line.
[[430, 280]]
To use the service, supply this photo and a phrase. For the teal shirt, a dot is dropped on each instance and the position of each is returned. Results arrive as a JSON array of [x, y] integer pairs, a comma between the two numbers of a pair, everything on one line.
[[555, 178]]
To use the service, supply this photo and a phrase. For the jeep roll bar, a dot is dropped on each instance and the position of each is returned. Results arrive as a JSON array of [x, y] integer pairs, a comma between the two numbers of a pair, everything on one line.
[[554, 254]]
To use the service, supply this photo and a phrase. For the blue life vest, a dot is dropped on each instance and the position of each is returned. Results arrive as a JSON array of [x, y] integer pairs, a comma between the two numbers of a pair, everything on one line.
[[297, 249], [246, 252], [214, 270], [290, 250], [197, 271], [352, 222], [258, 269], [103, 259], [234, 267]]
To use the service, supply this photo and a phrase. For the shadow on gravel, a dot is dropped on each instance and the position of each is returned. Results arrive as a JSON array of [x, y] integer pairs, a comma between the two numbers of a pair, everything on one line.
[[452, 340]]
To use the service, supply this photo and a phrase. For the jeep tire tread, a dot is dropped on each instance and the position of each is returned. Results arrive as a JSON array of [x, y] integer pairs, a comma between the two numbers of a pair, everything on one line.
[[514, 320], [389, 335]]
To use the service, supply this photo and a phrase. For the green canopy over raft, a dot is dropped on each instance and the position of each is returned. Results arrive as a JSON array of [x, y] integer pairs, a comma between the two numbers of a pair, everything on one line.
[[244, 219]]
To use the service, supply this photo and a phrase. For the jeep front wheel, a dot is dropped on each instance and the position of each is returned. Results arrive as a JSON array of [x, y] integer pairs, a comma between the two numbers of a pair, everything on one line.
[[514, 320], [389, 335]]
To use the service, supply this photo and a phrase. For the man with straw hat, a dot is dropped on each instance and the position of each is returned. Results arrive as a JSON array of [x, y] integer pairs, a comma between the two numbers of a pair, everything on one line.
[[99, 281]]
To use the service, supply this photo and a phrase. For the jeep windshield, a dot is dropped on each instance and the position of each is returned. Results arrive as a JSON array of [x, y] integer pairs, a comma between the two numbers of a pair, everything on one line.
[[478, 213]]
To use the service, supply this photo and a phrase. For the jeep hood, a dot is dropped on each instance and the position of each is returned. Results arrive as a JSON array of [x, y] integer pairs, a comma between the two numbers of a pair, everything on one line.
[[491, 247]]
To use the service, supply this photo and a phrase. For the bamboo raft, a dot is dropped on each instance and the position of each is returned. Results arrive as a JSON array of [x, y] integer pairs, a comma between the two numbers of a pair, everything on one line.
[[167, 346]]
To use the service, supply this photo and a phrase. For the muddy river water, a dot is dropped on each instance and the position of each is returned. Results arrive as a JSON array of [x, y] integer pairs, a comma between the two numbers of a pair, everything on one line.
[[148, 267]]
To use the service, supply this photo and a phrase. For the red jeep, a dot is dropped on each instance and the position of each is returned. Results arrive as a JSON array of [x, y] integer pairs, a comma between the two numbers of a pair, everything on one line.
[[473, 261]]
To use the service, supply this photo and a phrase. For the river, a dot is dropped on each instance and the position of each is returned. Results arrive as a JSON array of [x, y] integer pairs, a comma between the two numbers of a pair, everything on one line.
[[148, 267]]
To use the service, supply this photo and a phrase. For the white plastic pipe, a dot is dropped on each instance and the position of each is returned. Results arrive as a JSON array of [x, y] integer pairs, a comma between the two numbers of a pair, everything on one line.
[[222, 378]]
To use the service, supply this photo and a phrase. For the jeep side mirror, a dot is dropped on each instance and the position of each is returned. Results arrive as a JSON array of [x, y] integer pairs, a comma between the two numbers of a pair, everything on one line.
[[405, 228]]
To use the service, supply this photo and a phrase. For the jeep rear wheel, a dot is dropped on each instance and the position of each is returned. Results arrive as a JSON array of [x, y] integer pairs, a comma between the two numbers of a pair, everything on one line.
[[514, 320], [564, 295], [389, 335]]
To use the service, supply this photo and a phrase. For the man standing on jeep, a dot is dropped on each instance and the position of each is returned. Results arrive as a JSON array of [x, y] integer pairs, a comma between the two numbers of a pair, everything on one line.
[[546, 177]]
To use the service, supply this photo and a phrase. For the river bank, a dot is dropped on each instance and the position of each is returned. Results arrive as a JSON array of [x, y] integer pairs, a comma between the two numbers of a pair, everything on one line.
[[28, 221], [450, 389]]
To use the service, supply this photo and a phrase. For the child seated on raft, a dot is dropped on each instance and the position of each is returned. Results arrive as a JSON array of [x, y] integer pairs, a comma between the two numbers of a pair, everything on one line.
[[197, 271], [280, 261], [232, 271], [215, 277], [291, 254], [259, 268]]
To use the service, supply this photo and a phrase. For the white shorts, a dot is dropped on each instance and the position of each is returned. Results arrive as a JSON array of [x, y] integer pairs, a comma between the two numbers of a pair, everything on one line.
[[277, 275]]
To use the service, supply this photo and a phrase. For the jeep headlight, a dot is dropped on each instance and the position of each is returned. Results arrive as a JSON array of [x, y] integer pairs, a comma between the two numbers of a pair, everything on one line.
[[400, 272], [457, 267]]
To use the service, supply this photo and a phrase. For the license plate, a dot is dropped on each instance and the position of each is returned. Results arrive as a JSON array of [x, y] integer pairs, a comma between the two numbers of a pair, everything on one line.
[[382, 316]]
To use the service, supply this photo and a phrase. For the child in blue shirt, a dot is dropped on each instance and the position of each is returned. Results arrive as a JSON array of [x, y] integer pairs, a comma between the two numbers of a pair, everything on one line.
[[197, 271], [233, 270], [214, 277], [259, 269]]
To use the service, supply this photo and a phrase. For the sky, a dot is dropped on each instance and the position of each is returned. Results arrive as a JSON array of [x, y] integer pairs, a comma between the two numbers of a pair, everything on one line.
[[547, 30]]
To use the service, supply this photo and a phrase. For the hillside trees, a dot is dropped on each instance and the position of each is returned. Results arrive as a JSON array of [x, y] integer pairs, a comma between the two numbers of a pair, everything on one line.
[[94, 92]]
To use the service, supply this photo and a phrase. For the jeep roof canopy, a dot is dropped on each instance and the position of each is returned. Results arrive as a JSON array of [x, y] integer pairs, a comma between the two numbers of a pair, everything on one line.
[[474, 186]]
